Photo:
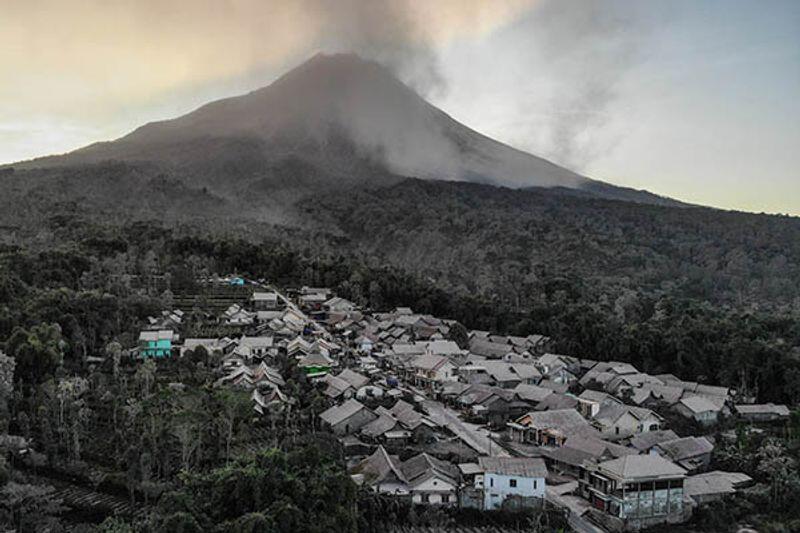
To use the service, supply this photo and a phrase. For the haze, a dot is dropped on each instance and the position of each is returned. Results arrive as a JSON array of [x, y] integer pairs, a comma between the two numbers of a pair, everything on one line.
[[693, 100]]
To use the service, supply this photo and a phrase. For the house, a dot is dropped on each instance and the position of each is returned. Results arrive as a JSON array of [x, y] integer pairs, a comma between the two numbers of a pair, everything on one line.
[[513, 482], [316, 364], [265, 301], [490, 350], [549, 362], [269, 400], [635, 491], [711, 486], [338, 305], [312, 298], [156, 343], [347, 418], [299, 347], [508, 375], [223, 345], [644, 442], [354, 379], [422, 478], [691, 453], [254, 347], [557, 401], [382, 473], [167, 320], [762, 413], [336, 387], [249, 377], [700, 409], [620, 421], [550, 428], [365, 344], [431, 481], [431, 371], [532, 394], [570, 457], [442, 347], [236, 315], [591, 401]]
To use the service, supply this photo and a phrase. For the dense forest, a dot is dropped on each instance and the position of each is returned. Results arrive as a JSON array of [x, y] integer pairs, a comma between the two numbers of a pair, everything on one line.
[[720, 320]]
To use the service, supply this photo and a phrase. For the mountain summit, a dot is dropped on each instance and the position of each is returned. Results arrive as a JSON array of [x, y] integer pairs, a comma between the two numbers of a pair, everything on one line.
[[337, 118]]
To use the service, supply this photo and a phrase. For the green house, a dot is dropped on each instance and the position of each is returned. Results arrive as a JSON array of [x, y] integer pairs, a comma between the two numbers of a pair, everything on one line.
[[156, 343]]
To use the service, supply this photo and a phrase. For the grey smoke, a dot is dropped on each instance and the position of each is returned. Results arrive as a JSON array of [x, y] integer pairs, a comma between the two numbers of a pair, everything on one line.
[[386, 32], [588, 47]]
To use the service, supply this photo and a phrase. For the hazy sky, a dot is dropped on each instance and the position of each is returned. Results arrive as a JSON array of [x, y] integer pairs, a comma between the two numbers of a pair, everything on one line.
[[694, 99]]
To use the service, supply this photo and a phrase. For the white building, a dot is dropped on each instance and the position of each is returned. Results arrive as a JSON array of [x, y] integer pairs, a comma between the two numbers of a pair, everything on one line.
[[518, 480]]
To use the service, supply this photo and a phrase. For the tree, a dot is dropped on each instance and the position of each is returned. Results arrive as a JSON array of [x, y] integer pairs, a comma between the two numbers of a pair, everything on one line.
[[7, 365], [459, 334], [30, 507], [38, 353]]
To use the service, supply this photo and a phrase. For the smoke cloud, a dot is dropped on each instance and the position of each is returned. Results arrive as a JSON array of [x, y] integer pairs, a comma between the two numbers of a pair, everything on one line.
[[587, 48]]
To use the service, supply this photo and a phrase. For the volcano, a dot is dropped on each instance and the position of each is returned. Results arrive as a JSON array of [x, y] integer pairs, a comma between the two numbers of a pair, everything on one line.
[[335, 120]]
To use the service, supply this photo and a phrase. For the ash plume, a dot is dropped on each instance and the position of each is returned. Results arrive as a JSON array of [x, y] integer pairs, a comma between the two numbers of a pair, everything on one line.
[[588, 47]]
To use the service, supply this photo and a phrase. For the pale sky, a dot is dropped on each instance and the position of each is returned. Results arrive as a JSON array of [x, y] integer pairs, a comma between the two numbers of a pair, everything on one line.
[[694, 99]]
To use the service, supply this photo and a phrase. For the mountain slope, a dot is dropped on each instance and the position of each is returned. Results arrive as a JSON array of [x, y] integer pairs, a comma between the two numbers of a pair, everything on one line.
[[347, 119]]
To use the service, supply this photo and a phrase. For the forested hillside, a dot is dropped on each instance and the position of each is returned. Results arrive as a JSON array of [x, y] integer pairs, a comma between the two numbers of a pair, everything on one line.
[[663, 308]]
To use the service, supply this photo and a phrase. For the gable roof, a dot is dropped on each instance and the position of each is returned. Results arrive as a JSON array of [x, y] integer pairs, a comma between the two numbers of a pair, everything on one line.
[[762, 409], [699, 404], [443, 347], [355, 379], [645, 441], [514, 466], [641, 467], [379, 426], [423, 466], [340, 413], [567, 421], [429, 362], [380, 466], [685, 448], [531, 393]]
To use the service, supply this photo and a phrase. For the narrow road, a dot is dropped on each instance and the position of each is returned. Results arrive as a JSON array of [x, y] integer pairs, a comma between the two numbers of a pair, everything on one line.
[[469, 433], [291, 305], [576, 506]]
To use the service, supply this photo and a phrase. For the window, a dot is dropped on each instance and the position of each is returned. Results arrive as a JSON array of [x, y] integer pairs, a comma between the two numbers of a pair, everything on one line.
[[445, 498], [491, 482], [616, 430], [426, 498], [512, 482], [534, 484]]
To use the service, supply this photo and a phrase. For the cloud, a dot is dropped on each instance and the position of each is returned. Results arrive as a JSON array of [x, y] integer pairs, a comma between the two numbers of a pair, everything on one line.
[[587, 49], [111, 53]]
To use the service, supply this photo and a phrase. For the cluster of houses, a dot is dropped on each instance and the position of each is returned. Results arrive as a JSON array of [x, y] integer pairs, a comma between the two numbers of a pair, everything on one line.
[[490, 422]]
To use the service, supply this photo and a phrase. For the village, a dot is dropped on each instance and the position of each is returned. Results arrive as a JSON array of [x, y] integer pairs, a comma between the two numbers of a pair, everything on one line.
[[437, 415]]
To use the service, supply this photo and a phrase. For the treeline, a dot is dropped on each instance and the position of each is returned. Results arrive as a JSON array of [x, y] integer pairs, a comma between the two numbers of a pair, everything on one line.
[[100, 284]]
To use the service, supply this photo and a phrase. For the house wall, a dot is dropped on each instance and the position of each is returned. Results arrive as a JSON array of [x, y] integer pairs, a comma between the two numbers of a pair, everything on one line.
[[497, 487], [159, 348], [447, 372], [706, 418], [392, 487], [435, 489]]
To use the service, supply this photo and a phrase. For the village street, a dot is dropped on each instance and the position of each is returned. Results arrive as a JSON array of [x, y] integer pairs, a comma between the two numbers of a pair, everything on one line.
[[473, 435], [558, 496]]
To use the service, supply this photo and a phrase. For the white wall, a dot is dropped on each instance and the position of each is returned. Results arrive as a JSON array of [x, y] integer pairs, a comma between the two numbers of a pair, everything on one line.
[[497, 487], [434, 488]]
